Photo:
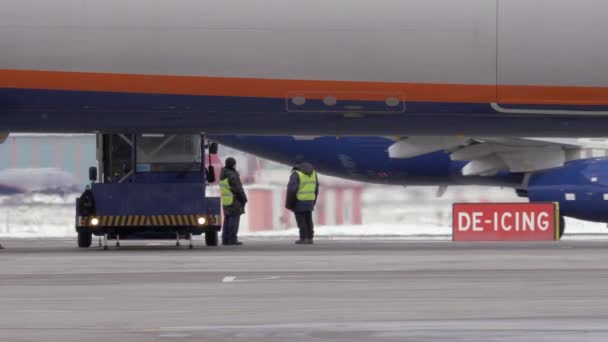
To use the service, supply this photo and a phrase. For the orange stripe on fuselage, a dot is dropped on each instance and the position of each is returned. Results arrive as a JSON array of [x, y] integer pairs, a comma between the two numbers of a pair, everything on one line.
[[277, 88], [553, 95]]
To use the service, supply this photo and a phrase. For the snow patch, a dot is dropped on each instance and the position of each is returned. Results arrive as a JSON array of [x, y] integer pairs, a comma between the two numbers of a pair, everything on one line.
[[423, 229], [49, 215], [369, 230]]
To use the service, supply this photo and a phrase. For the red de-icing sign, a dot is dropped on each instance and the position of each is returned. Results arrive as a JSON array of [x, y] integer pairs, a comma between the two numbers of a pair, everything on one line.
[[505, 222]]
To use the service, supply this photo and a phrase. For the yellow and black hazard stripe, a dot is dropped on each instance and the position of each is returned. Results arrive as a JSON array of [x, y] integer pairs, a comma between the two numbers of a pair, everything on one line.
[[148, 220]]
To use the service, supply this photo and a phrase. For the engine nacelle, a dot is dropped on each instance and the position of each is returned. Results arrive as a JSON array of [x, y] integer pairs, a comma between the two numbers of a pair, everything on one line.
[[580, 187]]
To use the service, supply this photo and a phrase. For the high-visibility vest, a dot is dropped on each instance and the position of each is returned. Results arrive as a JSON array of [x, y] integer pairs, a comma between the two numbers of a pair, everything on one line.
[[308, 185], [227, 195]]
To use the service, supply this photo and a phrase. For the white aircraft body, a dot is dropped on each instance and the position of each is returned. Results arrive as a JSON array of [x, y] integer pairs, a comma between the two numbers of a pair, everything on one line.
[[417, 67]]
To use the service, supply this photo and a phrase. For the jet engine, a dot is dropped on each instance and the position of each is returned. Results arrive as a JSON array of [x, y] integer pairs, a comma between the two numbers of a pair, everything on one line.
[[580, 187]]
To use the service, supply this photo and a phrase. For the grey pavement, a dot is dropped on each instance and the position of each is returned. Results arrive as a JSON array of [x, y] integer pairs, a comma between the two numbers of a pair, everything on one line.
[[336, 290]]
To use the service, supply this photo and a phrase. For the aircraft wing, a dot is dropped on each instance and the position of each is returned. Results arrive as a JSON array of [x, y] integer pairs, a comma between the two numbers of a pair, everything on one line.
[[487, 155]]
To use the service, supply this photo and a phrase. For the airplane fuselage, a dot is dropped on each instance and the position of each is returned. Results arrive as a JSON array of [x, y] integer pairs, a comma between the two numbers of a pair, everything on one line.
[[366, 159], [580, 186], [492, 67]]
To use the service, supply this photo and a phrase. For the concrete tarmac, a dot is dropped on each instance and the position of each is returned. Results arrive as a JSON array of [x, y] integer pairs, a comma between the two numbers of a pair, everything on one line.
[[272, 290]]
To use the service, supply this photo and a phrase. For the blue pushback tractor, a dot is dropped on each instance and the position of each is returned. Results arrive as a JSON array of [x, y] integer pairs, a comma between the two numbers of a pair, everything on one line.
[[150, 185]]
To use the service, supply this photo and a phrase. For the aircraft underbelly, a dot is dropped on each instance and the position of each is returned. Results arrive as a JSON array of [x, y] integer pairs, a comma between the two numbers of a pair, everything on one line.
[[314, 67], [77, 111]]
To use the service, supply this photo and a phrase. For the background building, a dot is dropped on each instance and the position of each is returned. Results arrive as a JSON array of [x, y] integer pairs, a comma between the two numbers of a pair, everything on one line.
[[70, 153]]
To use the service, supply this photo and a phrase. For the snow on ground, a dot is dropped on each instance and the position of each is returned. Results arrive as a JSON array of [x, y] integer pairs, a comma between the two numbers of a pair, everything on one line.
[[418, 231], [47, 215], [40, 215], [576, 230], [37, 221]]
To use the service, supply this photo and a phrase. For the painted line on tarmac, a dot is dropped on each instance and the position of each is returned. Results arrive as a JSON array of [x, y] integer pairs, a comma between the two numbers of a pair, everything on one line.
[[314, 279], [233, 279], [228, 279]]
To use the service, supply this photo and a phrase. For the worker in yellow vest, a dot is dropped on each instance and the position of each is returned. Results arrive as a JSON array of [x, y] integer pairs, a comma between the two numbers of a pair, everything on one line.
[[301, 198], [233, 202]]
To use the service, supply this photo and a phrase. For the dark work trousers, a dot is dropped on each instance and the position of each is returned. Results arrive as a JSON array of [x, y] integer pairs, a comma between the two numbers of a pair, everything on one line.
[[230, 229], [305, 225]]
